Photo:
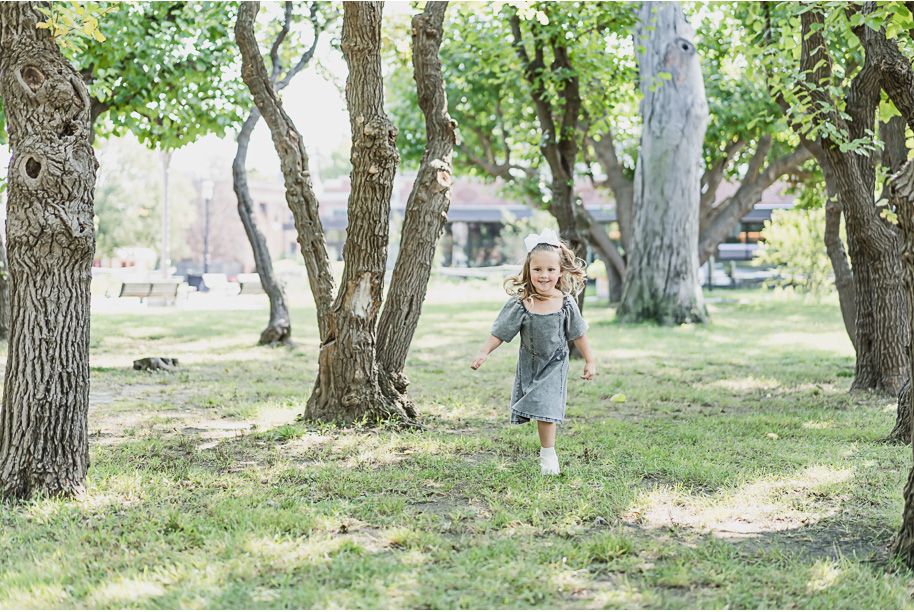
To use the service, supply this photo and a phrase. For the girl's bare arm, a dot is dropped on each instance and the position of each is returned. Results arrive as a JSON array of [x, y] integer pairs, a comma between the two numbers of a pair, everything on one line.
[[488, 346], [590, 366]]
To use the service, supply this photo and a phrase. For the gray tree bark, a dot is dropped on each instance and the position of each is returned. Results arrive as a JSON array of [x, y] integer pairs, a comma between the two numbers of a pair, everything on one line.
[[279, 328], [4, 292], [294, 164], [881, 315], [360, 374], [901, 194], [426, 210], [347, 384], [559, 144], [662, 277], [51, 239]]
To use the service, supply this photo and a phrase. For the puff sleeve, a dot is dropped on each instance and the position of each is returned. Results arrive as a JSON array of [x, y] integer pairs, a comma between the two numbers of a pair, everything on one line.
[[507, 324], [575, 326]]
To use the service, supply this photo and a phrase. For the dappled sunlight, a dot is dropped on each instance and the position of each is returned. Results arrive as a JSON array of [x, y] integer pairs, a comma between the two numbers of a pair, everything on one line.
[[633, 354], [743, 384], [818, 425], [824, 574], [768, 504], [119, 592], [35, 596], [832, 342]]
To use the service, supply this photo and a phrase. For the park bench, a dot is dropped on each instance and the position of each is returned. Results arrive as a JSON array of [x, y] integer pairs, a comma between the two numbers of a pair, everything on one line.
[[167, 289], [220, 284], [250, 284]]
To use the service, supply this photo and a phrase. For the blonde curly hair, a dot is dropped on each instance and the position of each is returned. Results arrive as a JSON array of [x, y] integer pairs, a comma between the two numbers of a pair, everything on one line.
[[571, 281]]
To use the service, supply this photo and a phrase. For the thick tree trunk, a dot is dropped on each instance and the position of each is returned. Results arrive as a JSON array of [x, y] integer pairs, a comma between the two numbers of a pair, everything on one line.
[[294, 164], [4, 292], [279, 328], [662, 278], [901, 193], [347, 385], [43, 420], [426, 210], [881, 340]]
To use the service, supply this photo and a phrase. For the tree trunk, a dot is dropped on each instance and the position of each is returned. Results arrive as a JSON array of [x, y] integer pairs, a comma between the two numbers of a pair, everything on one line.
[[426, 211], [559, 144], [279, 329], [4, 292], [294, 163], [347, 385], [44, 445], [834, 247], [901, 192], [901, 432], [662, 277], [881, 342]]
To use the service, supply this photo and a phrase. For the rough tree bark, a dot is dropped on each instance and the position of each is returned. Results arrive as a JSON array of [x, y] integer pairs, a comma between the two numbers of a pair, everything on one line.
[[44, 445], [4, 293], [623, 189], [294, 164], [347, 384], [279, 329], [426, 210], [881, 316], [662, 279], [901, 194], [360, 375], [834, 248]]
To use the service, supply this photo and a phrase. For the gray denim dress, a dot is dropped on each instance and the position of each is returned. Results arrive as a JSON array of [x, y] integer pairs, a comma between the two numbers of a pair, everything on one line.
[[540, 383]]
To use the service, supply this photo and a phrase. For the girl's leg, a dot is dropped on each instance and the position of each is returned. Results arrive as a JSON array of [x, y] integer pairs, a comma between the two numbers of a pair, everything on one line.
[[549, 462], [546, 431]]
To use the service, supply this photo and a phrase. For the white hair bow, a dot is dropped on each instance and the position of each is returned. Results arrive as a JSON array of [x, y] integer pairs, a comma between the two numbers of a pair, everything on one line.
[[547, 237]]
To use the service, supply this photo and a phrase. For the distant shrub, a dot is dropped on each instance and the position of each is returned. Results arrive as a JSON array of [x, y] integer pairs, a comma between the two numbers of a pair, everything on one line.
[[795, 246]]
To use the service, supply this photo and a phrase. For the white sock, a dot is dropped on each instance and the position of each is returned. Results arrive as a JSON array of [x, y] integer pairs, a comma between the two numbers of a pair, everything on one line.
[[549, 462]]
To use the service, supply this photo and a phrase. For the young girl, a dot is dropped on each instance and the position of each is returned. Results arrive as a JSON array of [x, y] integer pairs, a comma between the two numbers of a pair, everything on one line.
[[545, 313]]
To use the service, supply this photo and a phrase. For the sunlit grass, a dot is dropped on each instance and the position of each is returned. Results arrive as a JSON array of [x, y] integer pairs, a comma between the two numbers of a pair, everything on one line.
[[737, 473]]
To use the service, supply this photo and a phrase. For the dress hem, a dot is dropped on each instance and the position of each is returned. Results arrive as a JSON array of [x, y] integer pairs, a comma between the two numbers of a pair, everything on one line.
[[530, 417]]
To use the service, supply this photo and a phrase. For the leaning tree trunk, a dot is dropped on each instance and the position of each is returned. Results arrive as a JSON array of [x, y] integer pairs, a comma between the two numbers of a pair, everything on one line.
[[662, 277], [901, 193], [347, 386], [44, 446], [293, 160], [279, 329], [426, 211]]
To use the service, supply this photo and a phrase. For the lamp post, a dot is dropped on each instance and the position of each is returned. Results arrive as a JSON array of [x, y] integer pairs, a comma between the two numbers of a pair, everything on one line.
[[165, 259], [207, 192]]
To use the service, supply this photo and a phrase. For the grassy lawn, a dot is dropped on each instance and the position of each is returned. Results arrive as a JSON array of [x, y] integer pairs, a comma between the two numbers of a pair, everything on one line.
[[738, 473]]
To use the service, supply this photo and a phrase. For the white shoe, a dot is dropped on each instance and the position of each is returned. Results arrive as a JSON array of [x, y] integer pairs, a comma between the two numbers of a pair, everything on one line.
[[549, 462]]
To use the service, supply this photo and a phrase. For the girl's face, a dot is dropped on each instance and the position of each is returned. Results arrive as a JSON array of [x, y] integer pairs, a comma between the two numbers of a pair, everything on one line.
[[545, 271]]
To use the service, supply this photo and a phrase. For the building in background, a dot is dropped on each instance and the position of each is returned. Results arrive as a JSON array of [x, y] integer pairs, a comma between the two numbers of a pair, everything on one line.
[[477, 233]]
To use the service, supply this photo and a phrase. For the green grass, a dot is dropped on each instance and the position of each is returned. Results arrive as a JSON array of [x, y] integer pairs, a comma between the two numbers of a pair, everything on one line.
[[205, 491]]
